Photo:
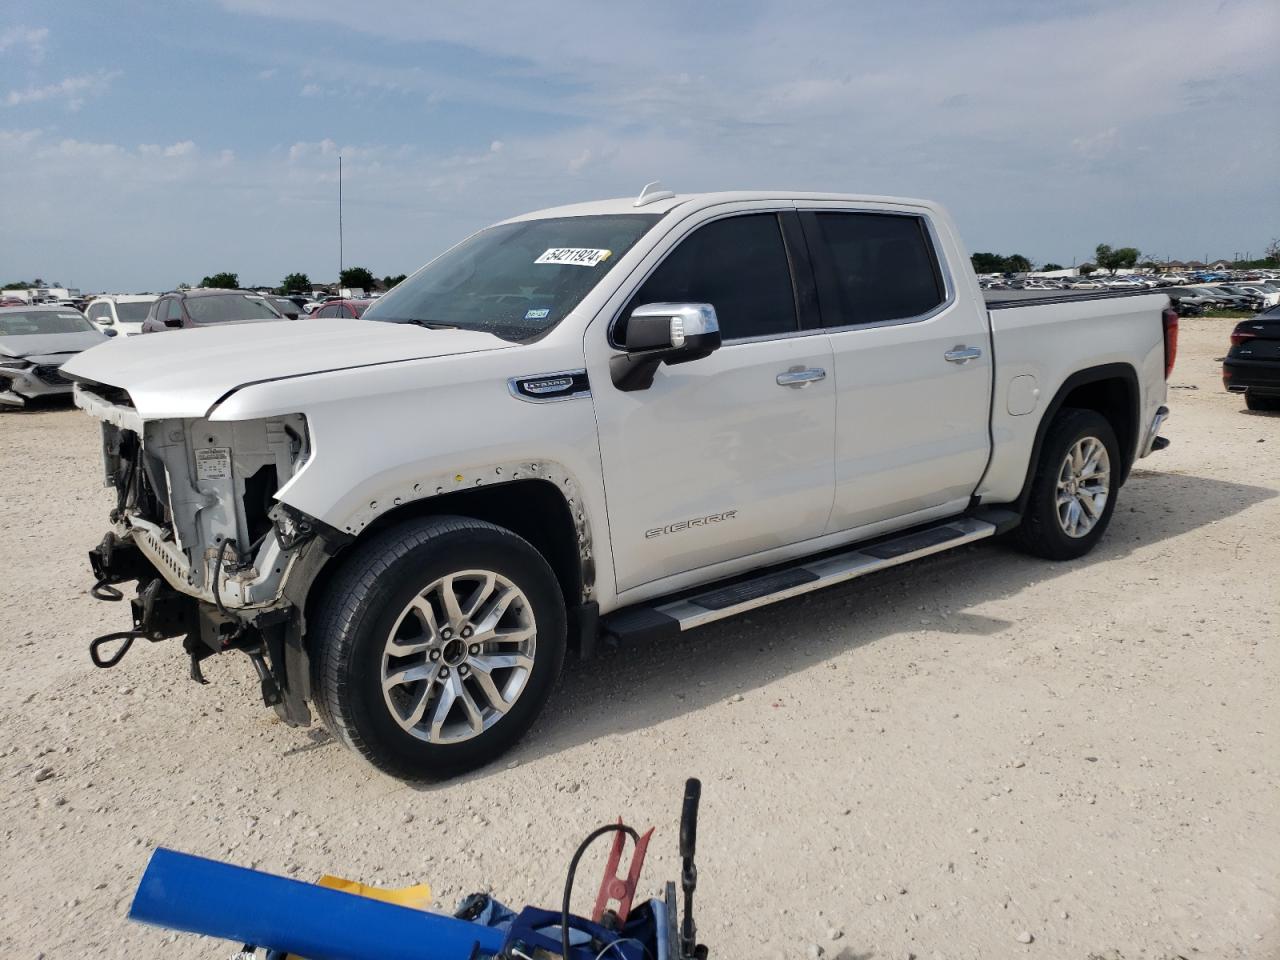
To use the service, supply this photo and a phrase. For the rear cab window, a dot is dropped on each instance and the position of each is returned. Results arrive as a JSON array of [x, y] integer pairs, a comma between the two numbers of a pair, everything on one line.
[[874, 267]]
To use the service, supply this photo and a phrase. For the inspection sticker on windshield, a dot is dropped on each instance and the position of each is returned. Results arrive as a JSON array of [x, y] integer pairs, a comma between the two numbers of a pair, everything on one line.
[[574, 256], [213, 463], [537, 314]]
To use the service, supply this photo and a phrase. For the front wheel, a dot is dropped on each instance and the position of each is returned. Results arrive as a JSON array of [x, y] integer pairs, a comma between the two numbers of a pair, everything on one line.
[[436, 646], [1073, 493]]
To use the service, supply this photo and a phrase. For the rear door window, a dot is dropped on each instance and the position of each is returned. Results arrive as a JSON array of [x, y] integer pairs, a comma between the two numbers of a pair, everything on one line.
[[739, 266], [877, 268]]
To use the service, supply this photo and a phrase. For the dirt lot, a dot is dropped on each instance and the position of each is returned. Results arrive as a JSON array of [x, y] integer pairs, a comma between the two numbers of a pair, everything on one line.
[[930, 762]]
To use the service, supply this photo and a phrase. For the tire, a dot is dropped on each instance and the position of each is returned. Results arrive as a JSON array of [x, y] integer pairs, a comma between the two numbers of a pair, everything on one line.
[[391, 595], [1046, 528], [1255, 401]]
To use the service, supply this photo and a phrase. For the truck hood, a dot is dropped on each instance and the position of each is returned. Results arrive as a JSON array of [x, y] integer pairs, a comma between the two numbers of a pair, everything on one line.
[[44, 344], [184, 373]]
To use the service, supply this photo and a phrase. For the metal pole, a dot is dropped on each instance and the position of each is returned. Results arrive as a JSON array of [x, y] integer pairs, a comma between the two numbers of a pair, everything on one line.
[[339, 220], [187, 893]]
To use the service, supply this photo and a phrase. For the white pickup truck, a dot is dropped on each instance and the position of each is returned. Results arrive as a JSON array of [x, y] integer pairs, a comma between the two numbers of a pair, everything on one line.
[[626, 418]]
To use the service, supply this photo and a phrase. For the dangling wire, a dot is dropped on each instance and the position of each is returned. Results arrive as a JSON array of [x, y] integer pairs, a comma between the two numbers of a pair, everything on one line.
[[573, 869]]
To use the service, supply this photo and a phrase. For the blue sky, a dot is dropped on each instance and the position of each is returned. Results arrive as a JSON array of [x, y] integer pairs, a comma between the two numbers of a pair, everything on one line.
[[147, 144]]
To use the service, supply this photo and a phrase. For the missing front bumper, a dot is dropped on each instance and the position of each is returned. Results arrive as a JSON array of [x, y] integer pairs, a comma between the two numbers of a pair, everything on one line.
[[272, 640]]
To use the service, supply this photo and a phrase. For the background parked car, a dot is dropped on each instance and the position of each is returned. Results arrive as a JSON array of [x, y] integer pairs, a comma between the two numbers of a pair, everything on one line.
[[198, 308], [1252, 365], [1266, 298], [123, 313], [287, 307], [34, 343], [342, 308], [1191, 300], [1231, 300]]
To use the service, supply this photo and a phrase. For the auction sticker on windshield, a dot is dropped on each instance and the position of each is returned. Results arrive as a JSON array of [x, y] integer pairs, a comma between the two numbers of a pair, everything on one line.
[[574, 256], [213, 463]]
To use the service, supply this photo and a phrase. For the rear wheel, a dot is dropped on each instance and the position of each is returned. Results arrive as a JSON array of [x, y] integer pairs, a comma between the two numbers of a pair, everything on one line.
[[436, 646], [1255, 401], [1073, 491]]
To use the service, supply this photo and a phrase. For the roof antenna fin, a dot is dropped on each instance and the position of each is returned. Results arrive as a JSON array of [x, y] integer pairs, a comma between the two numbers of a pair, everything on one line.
[[653, 192]]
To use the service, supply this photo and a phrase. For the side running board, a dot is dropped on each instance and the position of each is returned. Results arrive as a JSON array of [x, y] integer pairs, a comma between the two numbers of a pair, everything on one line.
[[667, 616]]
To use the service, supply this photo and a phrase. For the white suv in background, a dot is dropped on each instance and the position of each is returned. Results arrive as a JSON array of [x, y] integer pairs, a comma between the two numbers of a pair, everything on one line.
[[124, 314]]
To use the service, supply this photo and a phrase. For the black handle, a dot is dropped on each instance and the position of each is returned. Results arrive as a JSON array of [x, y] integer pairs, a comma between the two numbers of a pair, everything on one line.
[[689, 818]]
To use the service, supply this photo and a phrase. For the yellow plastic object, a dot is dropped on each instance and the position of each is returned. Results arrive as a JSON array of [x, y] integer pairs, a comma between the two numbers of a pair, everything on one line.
[[416, 897]]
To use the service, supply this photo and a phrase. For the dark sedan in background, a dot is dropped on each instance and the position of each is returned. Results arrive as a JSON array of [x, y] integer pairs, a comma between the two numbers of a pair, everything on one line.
[[1252, 366]]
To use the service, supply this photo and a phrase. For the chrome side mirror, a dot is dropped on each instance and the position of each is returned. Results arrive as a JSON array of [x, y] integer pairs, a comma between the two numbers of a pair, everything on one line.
[[657, 333]]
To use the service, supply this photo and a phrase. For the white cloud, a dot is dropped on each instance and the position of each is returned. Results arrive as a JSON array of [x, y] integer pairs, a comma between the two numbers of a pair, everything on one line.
[[310, 90], [73, 90], [183, 148], [1095, 146], [316, 148], [33, 41], [1046, 130]]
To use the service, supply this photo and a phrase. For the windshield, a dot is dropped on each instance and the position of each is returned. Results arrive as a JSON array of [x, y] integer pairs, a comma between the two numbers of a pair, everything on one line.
[[229, 307], [17, 323], [515, 280], [133, 310]]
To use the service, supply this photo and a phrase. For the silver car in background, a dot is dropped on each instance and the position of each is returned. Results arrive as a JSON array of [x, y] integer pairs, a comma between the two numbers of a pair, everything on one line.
[[34, 344]]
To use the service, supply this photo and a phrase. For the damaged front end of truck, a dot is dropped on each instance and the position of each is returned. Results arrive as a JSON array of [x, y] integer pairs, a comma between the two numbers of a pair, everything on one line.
[[218, 560]]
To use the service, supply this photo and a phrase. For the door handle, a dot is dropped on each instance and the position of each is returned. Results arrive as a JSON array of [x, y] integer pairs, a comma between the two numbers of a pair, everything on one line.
[[961, 354], [801, 376]]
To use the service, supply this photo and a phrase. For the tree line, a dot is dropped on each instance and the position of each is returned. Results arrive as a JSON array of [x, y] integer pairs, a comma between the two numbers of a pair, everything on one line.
[[361, 278], [1106, 257]]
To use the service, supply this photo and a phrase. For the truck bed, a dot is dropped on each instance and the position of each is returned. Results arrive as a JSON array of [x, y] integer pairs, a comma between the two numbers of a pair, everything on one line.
[[1040, 340]]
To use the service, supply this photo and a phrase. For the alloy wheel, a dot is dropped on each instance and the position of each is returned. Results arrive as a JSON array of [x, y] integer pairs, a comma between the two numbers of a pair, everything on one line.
[[1084, 483], [459, 656]]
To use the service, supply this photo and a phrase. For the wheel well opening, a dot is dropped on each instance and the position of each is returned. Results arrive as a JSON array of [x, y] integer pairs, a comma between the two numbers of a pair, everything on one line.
[[534, 509], [1115, 400]]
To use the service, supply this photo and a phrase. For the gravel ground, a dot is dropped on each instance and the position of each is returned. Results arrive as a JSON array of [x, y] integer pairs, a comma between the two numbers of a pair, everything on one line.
[[946, 760]]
